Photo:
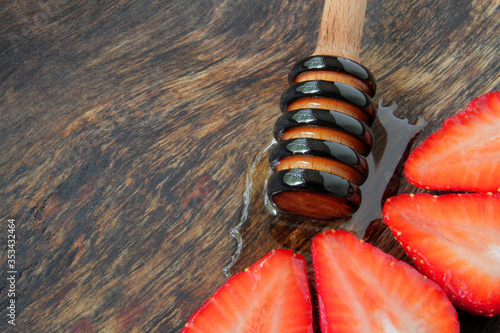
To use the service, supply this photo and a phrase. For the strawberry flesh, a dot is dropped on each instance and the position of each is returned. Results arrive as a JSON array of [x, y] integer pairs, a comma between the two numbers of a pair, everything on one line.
[[454, 239], [464, 154], [362, 289], [272, 295]]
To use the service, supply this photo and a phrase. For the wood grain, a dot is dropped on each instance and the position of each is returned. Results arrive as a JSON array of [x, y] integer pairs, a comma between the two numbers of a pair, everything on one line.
[[341, 28], [127, 128]]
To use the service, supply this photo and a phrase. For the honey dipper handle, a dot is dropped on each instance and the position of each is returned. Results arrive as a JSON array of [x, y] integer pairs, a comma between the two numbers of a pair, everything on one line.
[[341, 28]]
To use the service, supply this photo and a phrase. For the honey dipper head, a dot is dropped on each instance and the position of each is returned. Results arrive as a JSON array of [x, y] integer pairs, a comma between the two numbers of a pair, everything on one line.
[[323, 137]]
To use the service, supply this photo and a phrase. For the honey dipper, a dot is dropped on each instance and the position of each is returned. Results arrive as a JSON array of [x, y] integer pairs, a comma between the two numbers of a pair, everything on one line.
[[324, 135]]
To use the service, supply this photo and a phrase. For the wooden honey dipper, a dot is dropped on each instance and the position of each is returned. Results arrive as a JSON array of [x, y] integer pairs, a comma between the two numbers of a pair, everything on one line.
[[324, 135]]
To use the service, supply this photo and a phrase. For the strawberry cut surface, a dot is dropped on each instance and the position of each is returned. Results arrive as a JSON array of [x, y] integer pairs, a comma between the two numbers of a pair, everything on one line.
[[270, 296], [454, 239], [362, 289], [464, 154]]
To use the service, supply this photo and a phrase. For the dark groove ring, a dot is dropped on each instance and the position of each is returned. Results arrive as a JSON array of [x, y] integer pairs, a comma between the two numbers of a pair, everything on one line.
[[321, 148], [336, 64], [328, 89], [325, 118], [314, 181]]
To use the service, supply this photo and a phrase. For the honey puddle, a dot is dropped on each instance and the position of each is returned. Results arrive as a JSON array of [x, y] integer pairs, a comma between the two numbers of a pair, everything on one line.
[[393, 137]]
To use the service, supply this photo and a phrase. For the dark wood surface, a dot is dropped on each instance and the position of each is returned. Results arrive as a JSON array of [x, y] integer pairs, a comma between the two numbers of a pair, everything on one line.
[[127, 129]]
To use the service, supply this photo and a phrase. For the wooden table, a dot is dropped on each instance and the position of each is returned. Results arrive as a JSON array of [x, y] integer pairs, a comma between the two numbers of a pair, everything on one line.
[[128, 127]]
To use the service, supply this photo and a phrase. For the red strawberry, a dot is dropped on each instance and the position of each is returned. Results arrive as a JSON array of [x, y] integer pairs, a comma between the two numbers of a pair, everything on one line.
[[464, 154], [453, 239], [362, 289], [272, 295]]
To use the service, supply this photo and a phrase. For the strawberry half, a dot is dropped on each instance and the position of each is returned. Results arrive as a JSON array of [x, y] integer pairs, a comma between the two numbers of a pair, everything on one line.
[[272, 295], [453, 239], [362, 289], [464, 154]]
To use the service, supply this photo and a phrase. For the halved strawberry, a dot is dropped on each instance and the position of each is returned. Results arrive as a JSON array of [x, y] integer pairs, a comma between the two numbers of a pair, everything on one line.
[[272, 295], [453, 239], [362, 289], [464, 154]]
